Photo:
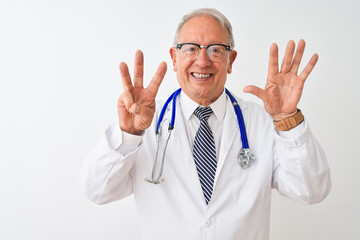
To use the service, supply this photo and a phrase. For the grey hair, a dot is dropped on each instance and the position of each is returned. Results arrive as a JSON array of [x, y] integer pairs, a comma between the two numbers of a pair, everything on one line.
[[212, 13]]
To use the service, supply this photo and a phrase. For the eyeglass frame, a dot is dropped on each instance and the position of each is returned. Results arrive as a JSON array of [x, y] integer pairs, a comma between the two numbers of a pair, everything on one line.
[[227, 48]]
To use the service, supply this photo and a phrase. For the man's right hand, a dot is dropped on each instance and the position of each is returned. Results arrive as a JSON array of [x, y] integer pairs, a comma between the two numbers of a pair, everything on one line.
[[136, 105]]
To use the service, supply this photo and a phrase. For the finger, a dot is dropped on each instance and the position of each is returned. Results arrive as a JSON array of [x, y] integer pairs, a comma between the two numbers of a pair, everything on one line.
[[124, 115], [135, 108], [125, 77], [289, 52], [157, 79], [298, 56], [145, 116], [126, 100], [309, 67], [138, 69], [273, 60], [258, 92]]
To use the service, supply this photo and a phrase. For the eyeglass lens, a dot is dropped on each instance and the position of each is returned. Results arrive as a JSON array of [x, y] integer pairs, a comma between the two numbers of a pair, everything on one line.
[[190, 52]]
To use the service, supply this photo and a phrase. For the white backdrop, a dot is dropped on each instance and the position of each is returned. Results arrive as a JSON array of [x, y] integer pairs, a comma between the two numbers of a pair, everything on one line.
[[59, 83]]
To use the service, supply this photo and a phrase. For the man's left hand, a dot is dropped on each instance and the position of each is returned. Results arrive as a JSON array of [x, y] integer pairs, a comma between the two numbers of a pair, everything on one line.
[[283, 89]]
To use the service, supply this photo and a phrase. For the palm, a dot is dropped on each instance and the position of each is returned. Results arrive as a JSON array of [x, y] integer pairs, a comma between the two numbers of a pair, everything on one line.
[[143, 100], [283, 88], [136, 106], [283, 92]]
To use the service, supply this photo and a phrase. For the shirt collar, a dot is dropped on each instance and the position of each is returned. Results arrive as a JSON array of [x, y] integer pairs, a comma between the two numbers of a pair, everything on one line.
[[188, 106]]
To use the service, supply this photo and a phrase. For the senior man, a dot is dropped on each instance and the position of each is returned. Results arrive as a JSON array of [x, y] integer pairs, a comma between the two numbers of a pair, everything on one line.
[[204, 190]]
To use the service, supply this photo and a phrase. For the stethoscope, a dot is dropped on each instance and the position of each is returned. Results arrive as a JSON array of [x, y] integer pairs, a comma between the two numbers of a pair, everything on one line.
[[245, 157]]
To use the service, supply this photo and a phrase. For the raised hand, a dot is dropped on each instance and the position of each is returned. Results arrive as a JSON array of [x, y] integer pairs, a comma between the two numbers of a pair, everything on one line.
[[283, 89], [136, 105]]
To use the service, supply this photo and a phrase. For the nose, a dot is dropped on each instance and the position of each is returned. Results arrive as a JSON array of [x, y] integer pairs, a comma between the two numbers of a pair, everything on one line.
[[203, 59]]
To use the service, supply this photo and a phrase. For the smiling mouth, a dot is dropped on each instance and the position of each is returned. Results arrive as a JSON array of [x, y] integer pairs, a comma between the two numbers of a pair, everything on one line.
[[201, 75]]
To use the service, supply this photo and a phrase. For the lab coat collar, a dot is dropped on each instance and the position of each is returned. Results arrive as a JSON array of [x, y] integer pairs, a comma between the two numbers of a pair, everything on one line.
[[243, 105], [188, 106]]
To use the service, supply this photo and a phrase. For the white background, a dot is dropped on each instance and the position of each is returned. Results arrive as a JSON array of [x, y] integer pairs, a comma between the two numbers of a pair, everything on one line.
[[59, 83]]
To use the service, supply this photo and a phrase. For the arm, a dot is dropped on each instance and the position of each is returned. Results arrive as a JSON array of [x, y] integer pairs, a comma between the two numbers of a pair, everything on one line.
[[300, 168], [106, 174]]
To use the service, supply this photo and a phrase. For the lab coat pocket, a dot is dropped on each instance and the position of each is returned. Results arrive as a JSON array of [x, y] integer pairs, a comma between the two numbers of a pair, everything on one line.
[[253, 183]]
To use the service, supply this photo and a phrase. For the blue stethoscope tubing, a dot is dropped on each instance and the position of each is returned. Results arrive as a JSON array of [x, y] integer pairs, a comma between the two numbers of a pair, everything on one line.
[[240, 119], [163, 110], [245, 158], [158, 179]]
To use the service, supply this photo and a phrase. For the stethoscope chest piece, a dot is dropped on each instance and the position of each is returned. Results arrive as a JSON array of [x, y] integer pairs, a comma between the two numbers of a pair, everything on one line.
[[246, 158]]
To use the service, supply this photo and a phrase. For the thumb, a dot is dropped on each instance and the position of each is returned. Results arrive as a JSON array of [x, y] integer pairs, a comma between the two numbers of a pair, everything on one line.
[[135, 108], [258, 92], [146, 114]]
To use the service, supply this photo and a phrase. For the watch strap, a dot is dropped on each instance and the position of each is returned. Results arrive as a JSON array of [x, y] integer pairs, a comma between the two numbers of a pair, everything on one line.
[[289, 122]]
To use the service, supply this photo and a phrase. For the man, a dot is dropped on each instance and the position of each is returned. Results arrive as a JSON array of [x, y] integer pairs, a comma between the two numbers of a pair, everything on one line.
[[209, 197]]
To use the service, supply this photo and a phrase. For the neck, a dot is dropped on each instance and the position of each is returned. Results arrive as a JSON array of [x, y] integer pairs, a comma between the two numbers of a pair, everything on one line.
[[204, 100]]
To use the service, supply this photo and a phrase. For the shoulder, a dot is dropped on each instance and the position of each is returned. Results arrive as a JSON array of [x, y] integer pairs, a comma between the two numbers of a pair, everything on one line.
[[159, 104], [258, 122], [251, 109], [259, 125]]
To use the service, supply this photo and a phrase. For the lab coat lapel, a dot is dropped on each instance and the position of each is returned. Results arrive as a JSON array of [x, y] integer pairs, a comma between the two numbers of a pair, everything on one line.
[[229, 135], [183, 150]]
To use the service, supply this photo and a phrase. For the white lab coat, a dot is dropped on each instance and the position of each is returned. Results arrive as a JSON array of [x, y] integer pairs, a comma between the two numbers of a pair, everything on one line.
[[240, 205]]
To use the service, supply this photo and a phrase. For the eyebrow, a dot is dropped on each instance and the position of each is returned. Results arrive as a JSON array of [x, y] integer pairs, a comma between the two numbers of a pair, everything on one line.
[[210, 43]]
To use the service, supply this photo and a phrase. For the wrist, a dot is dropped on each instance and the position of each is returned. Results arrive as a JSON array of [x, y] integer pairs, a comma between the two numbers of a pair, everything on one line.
[[132, 131], [281, 116], [289, 122]]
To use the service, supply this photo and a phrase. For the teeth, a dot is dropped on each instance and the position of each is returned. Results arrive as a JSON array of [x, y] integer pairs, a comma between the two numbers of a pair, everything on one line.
[[201, 75]]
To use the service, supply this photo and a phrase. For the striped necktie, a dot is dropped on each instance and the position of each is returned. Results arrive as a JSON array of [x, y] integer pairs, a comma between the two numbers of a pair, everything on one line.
[[204, 152]]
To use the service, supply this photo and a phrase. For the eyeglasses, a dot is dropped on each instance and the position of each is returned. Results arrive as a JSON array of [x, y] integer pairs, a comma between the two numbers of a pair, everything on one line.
[[190, 51]]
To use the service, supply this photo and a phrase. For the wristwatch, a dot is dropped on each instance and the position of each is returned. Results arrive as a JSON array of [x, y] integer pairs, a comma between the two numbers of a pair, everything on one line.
[[289, 122]]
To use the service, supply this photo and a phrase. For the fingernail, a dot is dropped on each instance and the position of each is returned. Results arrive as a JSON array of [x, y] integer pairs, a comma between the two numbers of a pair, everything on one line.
[[137, 109]]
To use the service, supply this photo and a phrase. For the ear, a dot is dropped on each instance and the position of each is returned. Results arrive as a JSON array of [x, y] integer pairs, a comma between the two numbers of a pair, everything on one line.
[[173, 57], [233, 55]]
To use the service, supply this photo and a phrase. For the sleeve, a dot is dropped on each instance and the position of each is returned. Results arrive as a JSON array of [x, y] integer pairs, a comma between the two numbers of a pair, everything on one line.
[[300, 169], [106, 173]]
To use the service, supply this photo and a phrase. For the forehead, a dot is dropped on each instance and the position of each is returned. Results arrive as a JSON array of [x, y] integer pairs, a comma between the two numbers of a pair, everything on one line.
[[203, 29]]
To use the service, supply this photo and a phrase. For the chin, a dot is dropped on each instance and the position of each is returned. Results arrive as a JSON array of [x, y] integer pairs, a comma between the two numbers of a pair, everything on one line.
[[202, 95]]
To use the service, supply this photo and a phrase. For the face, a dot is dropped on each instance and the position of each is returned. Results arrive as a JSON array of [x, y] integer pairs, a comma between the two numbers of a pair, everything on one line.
[[202, 80]]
